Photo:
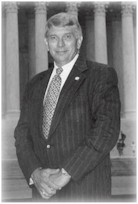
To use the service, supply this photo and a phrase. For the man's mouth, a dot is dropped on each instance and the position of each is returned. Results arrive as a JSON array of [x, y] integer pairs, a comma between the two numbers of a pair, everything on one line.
[[61, 52]]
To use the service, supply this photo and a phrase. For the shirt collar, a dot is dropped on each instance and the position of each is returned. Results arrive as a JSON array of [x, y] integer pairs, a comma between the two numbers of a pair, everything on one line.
[[70, 64]]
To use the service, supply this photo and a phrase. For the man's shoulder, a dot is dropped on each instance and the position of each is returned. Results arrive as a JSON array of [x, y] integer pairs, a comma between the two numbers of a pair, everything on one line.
[[96, 65], [36, 82], [37, 78], [101, 71], [100, 68]]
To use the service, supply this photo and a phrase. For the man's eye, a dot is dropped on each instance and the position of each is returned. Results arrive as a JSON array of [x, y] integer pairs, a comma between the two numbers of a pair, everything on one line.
[[68, 37], [52, 37]]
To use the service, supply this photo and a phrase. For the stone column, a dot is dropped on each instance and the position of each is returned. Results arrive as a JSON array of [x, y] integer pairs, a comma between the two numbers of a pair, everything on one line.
[[100, 32], [12, 59], [31, 44], [89, 28], [3, 61], [72, 8], [128, 122], [117, 53], [40, 47], [129, 69]]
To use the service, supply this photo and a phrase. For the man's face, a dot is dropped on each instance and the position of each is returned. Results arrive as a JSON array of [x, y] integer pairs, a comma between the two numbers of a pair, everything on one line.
[[63, 44]]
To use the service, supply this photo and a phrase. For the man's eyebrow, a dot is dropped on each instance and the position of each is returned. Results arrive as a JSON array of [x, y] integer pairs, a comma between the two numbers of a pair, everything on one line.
[[69, 33], [57, 35], [52, 35]]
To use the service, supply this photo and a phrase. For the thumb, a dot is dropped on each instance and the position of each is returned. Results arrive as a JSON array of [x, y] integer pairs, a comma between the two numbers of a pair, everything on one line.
[[52, 171]]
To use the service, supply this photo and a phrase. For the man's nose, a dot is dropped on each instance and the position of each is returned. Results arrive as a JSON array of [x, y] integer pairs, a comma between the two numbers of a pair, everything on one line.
[[61, 42]]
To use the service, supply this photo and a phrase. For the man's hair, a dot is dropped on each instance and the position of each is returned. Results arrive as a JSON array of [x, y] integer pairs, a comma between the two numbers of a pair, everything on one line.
[[63, 20]]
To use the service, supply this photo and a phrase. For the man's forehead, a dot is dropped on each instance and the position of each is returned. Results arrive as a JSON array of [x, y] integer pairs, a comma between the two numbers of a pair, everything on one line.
[[57, 29]]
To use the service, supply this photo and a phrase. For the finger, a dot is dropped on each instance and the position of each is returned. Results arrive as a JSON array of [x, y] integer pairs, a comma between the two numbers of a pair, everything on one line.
[[50, 191], [47, 189], [50, 183], [38, 187], [44, 190], [52, 171], [45, 195], [53, 185]]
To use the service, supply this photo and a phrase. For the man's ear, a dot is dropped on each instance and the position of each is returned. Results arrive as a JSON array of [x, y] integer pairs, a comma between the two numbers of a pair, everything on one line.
[[79, 42], [46, 44]]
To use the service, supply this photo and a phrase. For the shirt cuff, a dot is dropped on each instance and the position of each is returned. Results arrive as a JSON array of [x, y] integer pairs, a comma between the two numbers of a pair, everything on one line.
[[64, 172], [31, 182]]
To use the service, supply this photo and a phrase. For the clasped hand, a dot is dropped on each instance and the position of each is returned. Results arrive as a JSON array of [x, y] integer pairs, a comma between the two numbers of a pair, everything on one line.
[[48, 181]]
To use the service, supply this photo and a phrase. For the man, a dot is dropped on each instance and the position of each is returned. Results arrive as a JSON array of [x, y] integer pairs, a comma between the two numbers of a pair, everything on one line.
[[69, 121]]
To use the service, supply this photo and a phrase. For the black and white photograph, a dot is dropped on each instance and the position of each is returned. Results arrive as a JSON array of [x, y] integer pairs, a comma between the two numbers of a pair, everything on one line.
[[68, 96]]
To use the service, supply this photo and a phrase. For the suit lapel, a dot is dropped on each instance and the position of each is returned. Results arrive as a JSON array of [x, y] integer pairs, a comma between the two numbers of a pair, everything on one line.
[[73, 82]]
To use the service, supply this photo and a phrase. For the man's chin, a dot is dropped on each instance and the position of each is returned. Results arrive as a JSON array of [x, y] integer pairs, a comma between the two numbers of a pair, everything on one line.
[[60, 59], [61, 62]]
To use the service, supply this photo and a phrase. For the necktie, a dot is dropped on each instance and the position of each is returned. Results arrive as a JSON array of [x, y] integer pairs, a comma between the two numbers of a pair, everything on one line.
[[51, 101]]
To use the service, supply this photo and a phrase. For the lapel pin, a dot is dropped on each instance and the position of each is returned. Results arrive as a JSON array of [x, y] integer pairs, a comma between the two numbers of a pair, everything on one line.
[[77, 78]]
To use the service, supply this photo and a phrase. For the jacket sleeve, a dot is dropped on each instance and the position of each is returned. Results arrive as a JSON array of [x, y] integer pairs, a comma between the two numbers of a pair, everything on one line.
[[105, 110], [23, 143]]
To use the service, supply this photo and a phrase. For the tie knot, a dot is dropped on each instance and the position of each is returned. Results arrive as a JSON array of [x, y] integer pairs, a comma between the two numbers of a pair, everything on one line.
[[59, 70]]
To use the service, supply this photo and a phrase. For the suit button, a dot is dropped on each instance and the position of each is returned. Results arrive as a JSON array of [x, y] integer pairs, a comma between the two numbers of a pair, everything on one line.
[[48, 146]]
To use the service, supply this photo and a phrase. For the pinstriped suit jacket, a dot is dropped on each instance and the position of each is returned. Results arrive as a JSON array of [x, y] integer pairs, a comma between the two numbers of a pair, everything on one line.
[[85, 127]]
